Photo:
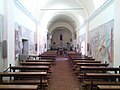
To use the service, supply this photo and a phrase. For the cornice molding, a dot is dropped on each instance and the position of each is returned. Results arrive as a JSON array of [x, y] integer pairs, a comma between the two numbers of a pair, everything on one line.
[[97, 12], [25, 11]]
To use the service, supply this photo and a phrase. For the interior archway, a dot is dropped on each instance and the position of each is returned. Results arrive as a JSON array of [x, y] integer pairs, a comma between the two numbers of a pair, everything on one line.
[[61, 36]]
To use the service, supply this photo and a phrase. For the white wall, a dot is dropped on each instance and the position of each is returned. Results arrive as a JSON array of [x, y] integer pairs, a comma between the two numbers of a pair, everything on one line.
[[117, 34], [27, 21], [14, 15], [22, 19], [2, 7], [42, 41], [106, 15], [38, 37], [83, 30], [9, 31], [1, 32]]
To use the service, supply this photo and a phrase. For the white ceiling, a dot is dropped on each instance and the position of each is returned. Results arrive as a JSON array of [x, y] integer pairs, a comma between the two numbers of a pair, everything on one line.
[[69, 16], [52, 11]]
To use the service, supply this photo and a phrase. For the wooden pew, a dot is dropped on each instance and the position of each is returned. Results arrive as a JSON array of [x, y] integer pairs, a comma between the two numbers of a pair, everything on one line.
[[45, 55], [73, 58], [30, 68], [90, 69], [86, 69], [79, 58], [33, 56], [48, 56], [26, 82], [91, 80], [77, 68], [22, 74], [108, 87], [18, 87], [35, 63], [92, 64], [42, 60], [86, 85], [39, 75], [86, 61], [74, 63], [101, 75]]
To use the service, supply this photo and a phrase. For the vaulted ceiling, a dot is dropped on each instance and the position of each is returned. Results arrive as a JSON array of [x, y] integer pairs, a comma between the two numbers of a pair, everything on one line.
[[50, 12]]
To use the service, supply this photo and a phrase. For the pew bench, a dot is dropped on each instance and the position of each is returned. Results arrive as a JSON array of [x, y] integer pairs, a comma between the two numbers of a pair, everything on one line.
[[48, 56], [91, 80], [40, 60], [77, 68], [43, 60], [18, 87], [85, 69], [16, 75], [86, 85], [26, 82], [74, 62], [108, 87], [35, 63], [81, 58], [30, 68], [33, 56], [93, 64]]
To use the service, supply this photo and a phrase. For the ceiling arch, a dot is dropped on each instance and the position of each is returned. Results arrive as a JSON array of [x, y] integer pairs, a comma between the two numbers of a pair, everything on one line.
[[37, 5], [61, 25], [63, 18], [61, 28], [50, 12]]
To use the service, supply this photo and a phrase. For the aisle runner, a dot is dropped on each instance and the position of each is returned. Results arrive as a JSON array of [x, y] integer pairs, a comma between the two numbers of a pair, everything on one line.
[[62, 76]]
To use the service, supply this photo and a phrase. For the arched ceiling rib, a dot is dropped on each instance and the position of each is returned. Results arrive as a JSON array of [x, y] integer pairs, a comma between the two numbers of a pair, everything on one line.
[[63, 11], [49, 11], [61, 28], [62, 18], [61, 25], [88, 5]]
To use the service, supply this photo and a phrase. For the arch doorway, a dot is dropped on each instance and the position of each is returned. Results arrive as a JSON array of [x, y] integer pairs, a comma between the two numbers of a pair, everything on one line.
[[61, 38]]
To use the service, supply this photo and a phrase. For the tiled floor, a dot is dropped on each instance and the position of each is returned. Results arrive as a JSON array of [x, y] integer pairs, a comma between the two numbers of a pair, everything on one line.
[[62, 77]]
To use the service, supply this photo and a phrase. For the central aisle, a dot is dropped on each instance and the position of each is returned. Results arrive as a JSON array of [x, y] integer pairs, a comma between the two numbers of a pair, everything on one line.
[[62, 77]]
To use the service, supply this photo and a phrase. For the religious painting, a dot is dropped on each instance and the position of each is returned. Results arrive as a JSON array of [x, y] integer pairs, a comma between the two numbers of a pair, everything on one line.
[[101, 42], [18, 40]]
